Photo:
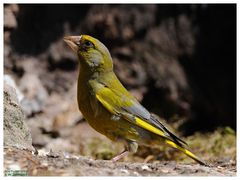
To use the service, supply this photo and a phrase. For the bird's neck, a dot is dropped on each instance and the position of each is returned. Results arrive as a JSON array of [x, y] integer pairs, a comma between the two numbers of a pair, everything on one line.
[[85, 79], [85, 75]]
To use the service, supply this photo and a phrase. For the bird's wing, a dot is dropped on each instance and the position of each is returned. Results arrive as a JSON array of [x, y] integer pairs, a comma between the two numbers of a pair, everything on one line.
[[129, 108]]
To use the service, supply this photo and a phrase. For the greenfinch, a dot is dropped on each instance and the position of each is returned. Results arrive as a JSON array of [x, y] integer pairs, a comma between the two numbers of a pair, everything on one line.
[[109, 108]]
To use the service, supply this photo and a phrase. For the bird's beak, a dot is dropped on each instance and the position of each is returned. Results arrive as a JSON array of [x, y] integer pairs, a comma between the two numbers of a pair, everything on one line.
[[73, 42]]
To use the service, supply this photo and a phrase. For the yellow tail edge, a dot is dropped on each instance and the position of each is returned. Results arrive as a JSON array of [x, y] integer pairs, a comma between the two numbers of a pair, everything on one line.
[[185, 151]]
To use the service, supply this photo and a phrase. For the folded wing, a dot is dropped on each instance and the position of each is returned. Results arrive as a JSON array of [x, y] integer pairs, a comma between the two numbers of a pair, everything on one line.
[[129, 108]]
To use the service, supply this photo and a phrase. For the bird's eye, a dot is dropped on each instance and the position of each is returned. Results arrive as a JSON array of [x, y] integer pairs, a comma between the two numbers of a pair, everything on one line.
[[88, 44]]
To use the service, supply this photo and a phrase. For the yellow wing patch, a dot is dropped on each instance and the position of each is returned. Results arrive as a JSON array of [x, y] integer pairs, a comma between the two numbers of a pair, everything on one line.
[[148, 127], [105, 104]]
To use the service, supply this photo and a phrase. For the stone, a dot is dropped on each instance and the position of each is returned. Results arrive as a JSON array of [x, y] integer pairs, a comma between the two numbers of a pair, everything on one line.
[[9, 19], [16, 132], [10, 81], [35, 94]]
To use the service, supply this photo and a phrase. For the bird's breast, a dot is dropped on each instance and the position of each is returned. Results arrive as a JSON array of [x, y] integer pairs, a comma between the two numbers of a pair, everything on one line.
[[95, 114]]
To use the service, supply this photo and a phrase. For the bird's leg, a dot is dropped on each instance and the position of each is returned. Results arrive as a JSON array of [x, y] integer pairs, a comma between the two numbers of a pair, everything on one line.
[[120, 156], [131, 146]]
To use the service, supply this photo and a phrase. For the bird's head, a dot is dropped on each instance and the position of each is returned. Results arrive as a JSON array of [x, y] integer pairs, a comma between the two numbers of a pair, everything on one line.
[[92, 54]]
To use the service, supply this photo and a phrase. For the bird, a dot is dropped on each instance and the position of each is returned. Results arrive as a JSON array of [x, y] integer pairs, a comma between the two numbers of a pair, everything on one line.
[[109, 108]]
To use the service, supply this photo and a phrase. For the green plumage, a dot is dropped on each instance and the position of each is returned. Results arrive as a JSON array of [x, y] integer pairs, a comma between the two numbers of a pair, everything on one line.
[[108, 107]]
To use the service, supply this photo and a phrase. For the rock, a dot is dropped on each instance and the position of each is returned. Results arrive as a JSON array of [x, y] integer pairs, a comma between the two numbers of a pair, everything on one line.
[[66, 113], [16, 133], [10, 24], [107, 21], [9, 16], [35, 94], [29, 64], [60, 145], [10, 81], [61, 57], [36, 125]]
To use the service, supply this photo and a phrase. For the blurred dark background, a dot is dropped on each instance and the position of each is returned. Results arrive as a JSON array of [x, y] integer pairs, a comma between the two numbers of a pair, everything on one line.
[[178, 60]]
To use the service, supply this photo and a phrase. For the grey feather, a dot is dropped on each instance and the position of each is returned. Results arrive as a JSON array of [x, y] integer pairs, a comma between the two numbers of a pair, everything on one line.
[[138, 110]]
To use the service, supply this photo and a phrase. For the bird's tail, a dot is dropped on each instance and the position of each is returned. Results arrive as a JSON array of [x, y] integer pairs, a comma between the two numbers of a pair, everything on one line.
[[185, 151]]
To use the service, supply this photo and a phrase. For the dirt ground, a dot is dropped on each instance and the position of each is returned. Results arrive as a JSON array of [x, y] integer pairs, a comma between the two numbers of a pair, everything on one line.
[[69, 165]]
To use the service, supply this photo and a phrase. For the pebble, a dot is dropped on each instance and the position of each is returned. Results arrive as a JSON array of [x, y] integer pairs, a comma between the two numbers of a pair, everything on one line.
[[124, 171], [146, 168]]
